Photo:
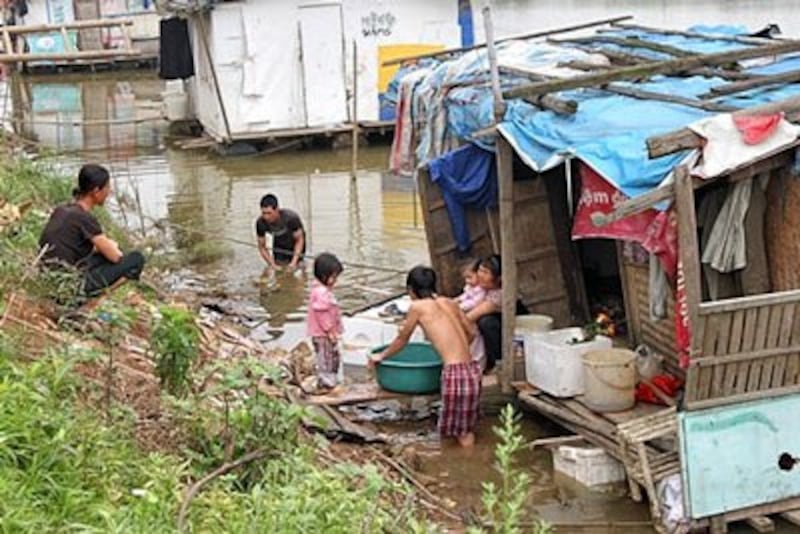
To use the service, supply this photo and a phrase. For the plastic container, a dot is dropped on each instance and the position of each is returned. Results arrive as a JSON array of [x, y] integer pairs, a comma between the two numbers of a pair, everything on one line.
[[609, 380], [527, 325], [175, 105], [362, 335], [417, 369], [554, 364], [591, 466]]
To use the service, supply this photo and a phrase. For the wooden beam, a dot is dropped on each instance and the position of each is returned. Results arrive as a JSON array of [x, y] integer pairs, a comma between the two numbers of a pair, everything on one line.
[[792, 517], [653, 68], [688, 249], [673, 99], [761, 523], [707, 37], [558, 105], [545, 33], [67, 56], [628, 42], [76, 25], [685, 139], [746, 85]]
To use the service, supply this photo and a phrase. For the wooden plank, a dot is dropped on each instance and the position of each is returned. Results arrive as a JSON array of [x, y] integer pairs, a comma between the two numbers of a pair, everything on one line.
[[792, 517], [784, 339], [745, 85], [793, 361], [67, 56], [75, 25], [755, 301], [684, 139], [773, 331], [761, 523], [754, 377], [554, 31], [650, 69], [734, 346], [627, 42], [723, 338], [9, 47], [741, 398], [748, 342], [696, 35], [712, 361]]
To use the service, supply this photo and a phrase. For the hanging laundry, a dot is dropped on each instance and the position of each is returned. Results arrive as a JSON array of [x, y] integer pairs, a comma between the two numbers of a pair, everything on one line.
[[468, 179], [176, 61]]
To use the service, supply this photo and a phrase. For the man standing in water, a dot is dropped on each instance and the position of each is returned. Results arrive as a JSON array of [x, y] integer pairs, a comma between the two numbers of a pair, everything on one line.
[[447, 328], [288, 235]]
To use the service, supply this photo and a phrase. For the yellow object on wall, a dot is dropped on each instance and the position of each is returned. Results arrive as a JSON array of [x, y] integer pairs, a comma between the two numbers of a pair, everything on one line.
[[389, 52]]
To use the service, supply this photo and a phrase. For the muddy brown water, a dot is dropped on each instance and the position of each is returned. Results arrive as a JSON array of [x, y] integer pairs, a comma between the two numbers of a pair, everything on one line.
[[209, 205]]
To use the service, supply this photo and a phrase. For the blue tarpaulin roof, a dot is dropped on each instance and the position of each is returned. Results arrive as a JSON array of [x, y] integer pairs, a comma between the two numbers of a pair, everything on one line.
[[608, 131]]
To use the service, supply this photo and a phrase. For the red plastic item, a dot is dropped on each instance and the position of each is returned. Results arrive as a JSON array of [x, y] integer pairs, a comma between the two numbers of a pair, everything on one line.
[[756, 129], [666, 383]]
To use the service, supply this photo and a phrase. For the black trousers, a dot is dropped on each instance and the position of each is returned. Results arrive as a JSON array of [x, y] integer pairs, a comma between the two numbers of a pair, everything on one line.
[[101, 273], [491, 328]]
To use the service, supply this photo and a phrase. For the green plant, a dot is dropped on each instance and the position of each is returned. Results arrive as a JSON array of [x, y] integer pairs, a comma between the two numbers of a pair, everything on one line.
[[504, 505], [175, 341]]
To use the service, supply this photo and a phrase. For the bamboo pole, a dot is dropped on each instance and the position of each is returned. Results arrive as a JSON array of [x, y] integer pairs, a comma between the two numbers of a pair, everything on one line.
[[651, 68], [204, 38], [354, 163], [685, 138], [545, 33], [505, 179]]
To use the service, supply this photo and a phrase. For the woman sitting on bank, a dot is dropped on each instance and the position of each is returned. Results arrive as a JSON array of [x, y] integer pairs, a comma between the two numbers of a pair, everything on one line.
[[74, 238]]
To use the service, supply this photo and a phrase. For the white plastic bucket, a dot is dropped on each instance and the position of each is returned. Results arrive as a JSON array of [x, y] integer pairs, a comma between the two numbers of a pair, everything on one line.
[[609, 377]]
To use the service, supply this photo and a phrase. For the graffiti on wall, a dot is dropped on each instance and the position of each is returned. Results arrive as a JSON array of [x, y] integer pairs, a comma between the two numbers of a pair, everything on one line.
[[378, 24]]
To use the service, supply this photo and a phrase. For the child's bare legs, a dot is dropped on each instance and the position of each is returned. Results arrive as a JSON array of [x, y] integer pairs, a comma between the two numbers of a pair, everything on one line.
[[466, 440]]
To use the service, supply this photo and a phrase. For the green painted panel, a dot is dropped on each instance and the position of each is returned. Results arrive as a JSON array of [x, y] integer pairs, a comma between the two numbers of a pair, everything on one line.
[[730, 455]]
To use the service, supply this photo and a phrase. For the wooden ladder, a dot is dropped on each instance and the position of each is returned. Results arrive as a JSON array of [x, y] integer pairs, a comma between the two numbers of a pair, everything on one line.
[[15, 49]]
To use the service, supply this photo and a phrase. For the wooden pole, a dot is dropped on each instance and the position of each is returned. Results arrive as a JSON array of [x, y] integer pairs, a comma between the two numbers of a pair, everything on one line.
[[217, 90], [651, 68], [696, 35], [761, 81], [354, 163], [545, 33], [684, 139], [688, 249], [76, 25], [628, 43], [505, 178]]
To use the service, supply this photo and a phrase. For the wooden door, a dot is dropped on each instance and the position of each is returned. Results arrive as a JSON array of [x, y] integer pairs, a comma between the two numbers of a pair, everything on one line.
[[322, 49]]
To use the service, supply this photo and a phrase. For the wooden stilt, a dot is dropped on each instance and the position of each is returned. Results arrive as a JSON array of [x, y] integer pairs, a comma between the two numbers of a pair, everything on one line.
[[354, 163], [505, 178], [687, 241]]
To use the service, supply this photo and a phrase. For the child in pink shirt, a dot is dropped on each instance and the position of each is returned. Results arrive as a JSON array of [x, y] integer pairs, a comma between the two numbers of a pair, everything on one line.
[[473, 293], [324, 322]]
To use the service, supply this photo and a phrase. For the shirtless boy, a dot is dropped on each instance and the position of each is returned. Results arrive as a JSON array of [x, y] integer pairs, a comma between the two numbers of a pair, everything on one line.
[[450, 333]]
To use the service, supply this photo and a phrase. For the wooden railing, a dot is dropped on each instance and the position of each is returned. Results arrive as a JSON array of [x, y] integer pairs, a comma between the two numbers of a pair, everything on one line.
[[745, 349], [15, 50]]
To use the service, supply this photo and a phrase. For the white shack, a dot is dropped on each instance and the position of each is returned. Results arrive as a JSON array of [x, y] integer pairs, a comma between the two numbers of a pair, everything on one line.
[[282, 68]]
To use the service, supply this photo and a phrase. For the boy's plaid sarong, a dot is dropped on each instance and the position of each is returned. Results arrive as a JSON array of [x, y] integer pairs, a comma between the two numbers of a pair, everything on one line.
[[327, 360], [461, 395]]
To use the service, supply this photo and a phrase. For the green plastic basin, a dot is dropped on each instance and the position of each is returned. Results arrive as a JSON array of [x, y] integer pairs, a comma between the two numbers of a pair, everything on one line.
[[415, 369]]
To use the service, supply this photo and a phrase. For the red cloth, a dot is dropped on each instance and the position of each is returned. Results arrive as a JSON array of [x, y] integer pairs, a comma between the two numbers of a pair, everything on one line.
[[757, 128], [668, 384], [461, 395]]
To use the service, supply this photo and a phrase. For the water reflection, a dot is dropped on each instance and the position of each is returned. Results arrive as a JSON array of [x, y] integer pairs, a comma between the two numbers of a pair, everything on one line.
[[76, 112]]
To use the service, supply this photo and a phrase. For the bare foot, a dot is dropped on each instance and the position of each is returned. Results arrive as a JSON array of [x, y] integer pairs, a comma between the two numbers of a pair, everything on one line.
[[466, 440]]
